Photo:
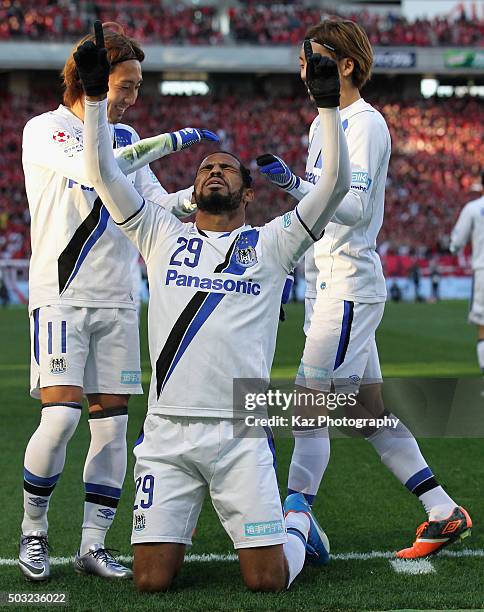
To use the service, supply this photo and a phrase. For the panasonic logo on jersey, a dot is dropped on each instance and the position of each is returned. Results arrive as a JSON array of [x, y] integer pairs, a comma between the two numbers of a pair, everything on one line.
[[228, 285]]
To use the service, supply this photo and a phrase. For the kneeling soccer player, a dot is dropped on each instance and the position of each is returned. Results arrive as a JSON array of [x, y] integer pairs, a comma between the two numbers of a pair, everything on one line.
[[214, 307]]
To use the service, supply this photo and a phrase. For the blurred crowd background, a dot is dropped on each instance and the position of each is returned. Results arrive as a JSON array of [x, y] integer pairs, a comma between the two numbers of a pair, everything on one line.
[[252, 21], [437, 154]]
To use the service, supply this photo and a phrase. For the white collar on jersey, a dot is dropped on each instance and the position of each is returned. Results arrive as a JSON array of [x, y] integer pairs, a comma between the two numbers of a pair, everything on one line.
[[212, 234]]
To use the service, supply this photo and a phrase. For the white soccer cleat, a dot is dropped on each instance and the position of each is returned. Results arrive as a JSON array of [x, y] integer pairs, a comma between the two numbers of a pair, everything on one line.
[[100, 562], [33, 559]]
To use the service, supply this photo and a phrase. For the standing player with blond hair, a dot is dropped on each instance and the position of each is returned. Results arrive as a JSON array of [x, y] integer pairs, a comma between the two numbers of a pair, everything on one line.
[[346, 294], [84, 324]]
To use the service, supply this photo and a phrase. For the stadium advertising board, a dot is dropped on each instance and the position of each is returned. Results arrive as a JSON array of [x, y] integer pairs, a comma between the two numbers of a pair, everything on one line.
[[464, 59], [395, 59]]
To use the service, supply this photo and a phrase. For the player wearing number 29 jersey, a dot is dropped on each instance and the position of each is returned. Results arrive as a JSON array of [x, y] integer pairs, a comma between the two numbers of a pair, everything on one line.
[[215, 289], [217, 294]]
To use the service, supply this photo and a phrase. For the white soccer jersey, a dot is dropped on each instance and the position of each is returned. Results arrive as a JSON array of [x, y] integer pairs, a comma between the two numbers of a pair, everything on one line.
[[344, 263], [214, 297], [214, 306], [79, 256], [470, 226]]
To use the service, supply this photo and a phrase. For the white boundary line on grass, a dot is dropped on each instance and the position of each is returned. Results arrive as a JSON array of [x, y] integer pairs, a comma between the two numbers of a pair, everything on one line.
[[412, 566], [349, 556]]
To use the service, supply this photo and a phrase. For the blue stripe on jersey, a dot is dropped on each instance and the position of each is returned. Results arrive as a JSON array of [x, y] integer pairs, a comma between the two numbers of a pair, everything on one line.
[[345, 334], [208, 306], [36, 335], [345, 124], [319, 161], [40, 481], [93, 238], [91, 487], [122, 137], [63, 336], [49, 337], [418, 478], [246, 239]]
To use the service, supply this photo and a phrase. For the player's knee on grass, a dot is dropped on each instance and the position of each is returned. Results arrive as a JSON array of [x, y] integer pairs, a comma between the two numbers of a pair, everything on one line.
[[156, 565], [264, 569]]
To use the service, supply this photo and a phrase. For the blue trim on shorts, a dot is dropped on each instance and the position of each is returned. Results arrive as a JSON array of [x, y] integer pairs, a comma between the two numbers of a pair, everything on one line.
[[345, 333], [63, 336], [139, 440], [49, 337], [35, 315]]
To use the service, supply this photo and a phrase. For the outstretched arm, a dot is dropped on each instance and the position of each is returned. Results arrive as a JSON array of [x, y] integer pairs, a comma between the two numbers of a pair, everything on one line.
[[306, 223], [317, 207], [113, 187]]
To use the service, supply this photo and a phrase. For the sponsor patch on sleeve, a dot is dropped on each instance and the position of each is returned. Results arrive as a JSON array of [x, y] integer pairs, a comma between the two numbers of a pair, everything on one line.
[[286, 220], [360, 180]]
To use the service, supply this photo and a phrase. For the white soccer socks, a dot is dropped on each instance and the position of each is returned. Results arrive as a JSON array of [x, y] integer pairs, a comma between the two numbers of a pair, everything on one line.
[[309, 462], [297, 527], [104, 473], [44, 461], [400, 452]]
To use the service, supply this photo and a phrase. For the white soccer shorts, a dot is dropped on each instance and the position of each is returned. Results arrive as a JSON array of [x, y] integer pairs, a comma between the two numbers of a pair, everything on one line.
[[93, 348], [179, 459], [340, 347], [476, 310]]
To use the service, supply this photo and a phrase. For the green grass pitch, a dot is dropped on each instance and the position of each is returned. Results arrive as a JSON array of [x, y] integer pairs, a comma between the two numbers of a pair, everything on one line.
[[362, 506]]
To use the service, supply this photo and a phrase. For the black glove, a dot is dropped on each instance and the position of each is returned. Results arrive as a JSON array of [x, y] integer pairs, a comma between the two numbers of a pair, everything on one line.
[[322, 78], [92, 64]]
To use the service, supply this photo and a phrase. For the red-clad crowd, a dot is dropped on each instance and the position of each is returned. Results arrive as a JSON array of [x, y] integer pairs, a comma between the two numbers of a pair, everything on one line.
[[436, 160], [286, 24], [255, 22], [146, 20]]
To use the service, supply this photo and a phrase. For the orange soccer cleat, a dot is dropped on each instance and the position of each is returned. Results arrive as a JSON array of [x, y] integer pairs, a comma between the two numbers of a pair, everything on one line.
[[432, 536]]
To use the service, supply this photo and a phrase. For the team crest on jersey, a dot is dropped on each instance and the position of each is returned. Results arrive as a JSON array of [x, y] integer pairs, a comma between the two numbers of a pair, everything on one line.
[[139, 522], [58, 365], [245, 254]]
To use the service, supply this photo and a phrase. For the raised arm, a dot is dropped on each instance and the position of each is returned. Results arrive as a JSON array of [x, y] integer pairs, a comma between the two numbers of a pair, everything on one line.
[[119, 196], [115, 190], [296, 231], [318, 206]]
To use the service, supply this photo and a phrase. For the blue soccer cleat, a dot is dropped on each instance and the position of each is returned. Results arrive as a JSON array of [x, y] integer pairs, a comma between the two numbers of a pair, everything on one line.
[[317, 546]]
